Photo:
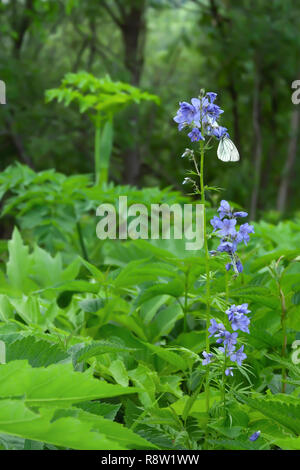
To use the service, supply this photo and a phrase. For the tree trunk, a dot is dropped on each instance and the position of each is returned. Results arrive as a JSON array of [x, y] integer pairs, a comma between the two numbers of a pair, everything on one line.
[[272, 150], [17, 141], [256, 117], [220, 22], [130, 19], [133, 30], [290, 161], [235, 112], [21, 26]]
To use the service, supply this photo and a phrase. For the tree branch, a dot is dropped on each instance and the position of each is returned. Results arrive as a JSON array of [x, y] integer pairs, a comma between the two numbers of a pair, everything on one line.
[[112, 14]]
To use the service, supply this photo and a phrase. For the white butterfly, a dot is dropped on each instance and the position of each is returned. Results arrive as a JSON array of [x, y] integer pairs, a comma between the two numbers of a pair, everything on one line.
[[227, 151]]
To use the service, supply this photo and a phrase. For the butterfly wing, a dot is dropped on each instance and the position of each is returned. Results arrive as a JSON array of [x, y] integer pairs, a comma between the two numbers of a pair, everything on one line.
[[227, 151]]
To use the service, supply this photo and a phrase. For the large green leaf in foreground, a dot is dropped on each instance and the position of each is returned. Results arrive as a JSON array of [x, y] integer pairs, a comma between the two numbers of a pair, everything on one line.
[[56, 385], [71, 428]]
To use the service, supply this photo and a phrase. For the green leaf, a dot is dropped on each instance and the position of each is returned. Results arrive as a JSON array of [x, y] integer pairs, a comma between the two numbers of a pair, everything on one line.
[[150, 307], [169, 356], [265, 260], [91, 305], [145, 379], [174, 288], [288, 443], [107, 410], [82, 352], [56, 385], [17, 420], [119, 372], [19, 256], [137, 272], [286, 414], [38, 352], [296, 298]]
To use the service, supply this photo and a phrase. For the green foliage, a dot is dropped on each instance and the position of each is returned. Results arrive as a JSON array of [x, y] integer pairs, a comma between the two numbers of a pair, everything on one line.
[[85, 344], [102, 99], [98, 95], [58, 212], [101, 341]]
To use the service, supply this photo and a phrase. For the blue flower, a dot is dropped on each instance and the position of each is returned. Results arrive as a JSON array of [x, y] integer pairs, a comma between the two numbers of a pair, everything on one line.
[[231, 311], [234, 310], [240, 323], [243, 308], [228, 228], [230, 340], [195, 135], [211, 111], [185, 115], [243, 234], [207, 358], [224, 209], [239, 266], [226, 247], [237, 317], [228, 371], [238, 356], [215, 327], [254, 436], [219, 132], [201, 114], [216, 222], [211, 96], [240, 214]]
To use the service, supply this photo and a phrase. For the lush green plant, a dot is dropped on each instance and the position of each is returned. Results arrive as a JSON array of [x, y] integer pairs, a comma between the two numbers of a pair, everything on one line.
[[101, 99], [107, 342], [125, 325], [58, 212]]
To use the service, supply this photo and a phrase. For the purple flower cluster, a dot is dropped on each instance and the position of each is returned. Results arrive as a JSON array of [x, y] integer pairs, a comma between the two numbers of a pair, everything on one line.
[[225, 227], [200, 117], [237, 316]]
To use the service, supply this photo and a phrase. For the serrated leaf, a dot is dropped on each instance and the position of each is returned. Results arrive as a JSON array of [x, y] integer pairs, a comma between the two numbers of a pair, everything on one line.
[[287, 415], [82, 352], [37, 352], [56, 385], [17, 420]]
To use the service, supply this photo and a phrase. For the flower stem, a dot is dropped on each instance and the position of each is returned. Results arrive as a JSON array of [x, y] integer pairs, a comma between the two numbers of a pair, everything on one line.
[[185, 309], [227, 286], [206, 267], [284, 334], [81, 241], [223, 384], [97, 152]]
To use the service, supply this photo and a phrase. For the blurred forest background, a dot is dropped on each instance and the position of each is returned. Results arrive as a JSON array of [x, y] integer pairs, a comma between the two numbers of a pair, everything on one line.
[[247, 51]]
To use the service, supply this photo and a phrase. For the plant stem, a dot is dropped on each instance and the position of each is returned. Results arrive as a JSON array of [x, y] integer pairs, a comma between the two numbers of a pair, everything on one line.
[[97, 153], [223, 384], [284, 333], [191, 400], [81, 241], [206, 267], [185, 301]]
